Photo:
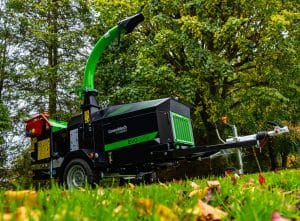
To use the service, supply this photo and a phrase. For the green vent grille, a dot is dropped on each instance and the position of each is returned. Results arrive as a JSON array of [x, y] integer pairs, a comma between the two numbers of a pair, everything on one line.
[[182, 129]]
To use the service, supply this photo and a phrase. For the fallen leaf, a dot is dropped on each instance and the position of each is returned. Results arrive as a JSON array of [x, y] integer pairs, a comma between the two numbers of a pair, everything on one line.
[[214, 184], [205, 211], [209, 196], [165, 213], [261, 179], [131, 185], [27, 198], [117, 209], [249, 184], [198, 193], [195, 186], [201, 193], [288, 193], [277, 217], [100, 192], [20, 195], [6, 217], [23, 214], [144, 206], [207, 193], [105, 203], [163, 184]]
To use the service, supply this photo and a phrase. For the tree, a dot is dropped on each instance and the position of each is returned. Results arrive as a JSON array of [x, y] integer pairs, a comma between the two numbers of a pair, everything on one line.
[[52, 39], [5, 65], [221, 57]]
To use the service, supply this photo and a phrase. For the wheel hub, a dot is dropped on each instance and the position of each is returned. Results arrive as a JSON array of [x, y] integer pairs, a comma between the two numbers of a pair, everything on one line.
[[76, 177]]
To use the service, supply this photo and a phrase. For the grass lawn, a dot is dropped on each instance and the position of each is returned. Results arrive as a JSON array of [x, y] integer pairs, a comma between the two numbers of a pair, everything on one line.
[[228, 198]]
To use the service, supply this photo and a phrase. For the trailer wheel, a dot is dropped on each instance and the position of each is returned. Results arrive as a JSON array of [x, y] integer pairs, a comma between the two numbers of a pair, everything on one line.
[[151, 178], [77, 173]]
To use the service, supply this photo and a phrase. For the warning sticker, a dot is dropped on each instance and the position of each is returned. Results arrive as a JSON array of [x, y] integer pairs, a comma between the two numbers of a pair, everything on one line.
[[87, 116], [43, 149]]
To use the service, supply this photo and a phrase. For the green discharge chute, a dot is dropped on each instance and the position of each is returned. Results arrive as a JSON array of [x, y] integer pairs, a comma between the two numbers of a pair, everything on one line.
[[125, 26], [90, 68]]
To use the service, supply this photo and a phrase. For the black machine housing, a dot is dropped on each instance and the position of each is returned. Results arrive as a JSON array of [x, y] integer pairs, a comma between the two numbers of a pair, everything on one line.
[[120, 138]]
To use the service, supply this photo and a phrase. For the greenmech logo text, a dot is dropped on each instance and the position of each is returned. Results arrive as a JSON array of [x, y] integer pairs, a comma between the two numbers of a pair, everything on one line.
[[118, 130]]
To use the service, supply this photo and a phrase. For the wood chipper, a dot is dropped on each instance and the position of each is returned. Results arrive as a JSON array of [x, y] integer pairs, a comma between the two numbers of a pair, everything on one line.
[[127, 140]]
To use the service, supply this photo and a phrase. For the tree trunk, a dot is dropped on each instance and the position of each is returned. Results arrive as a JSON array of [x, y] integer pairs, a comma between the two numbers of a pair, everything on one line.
[[211, 136], [272, 155], [2, 67], [284, 158], [2, 73], [53, 59]]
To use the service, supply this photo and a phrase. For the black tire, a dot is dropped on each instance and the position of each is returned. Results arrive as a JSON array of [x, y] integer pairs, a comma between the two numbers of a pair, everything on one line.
[[151, 178], [78, 174]]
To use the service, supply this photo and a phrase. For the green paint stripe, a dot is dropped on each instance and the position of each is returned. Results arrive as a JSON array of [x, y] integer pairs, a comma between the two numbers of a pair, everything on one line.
[[57, 125], [131, 141]]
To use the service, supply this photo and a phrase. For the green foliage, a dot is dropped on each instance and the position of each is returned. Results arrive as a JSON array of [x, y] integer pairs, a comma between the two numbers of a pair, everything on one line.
[[4, 127], [5, 65], [4, 118], [21, 173], [286, 145], [41, 59], [234, 58], [223, 58], [51, 35]]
